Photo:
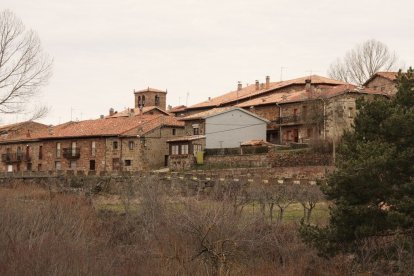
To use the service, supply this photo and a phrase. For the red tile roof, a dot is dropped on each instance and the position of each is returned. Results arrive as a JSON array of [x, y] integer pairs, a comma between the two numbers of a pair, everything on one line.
[[136, 111], [121, 126], [149, 89], [250, 91], [387, 75], [303, 95]]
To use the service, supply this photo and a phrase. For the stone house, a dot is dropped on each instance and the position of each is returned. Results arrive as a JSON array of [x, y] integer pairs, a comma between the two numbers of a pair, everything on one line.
[[383, 82], [309, 114], [256, 90], [132, 143]]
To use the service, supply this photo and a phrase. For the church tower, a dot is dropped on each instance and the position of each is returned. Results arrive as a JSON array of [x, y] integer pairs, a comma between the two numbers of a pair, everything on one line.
[[151, 97]]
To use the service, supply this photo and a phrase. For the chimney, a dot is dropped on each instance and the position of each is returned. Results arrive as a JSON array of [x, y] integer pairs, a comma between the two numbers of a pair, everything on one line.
[[257, 85], [267, 82], [239, 86], [308, 84], [169, 107], [101, 116], [111, 111]]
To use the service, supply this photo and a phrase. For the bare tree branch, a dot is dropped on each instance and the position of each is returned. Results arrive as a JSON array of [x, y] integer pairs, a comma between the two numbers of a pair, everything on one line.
[[360, 63], [24, 67]]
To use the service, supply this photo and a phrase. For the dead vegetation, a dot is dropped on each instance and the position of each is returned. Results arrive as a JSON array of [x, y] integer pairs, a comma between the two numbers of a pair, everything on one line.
[[170, 233]]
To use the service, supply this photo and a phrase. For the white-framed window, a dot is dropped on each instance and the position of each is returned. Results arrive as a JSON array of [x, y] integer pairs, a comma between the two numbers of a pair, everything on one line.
[[197, 148], [73, 148], [58, 165], [93, 148], [184, 149], [58, 150], [131, 145], [174, 150]]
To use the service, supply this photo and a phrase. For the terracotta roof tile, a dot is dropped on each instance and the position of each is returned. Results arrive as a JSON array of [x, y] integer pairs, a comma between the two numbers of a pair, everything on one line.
[[303, 95], [250, 91], [102, 127], [149, 89], [135, 111]]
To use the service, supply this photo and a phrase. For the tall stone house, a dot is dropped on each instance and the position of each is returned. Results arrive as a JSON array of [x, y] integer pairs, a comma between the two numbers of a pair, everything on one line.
[[131, 140], [383, 82], [299, 110]]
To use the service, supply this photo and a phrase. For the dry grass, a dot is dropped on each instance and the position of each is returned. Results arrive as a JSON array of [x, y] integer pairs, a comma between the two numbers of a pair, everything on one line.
[[44, 233]]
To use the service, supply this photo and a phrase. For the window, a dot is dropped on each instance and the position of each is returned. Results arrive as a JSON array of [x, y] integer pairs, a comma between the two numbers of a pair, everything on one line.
[[131, 145], [93, 148], [39, 167], [58, 166], [29, 167], [139, 101], [143, 101], [351, 113], [72, 164], [304, 112], [174, 131], [197, 148], [184, 149], [174, 150], [196, 129], [128, 163], [157, 100], [73, 148], [91, 165], [40, 152], [58, 150], [115, 145], [115, 164]]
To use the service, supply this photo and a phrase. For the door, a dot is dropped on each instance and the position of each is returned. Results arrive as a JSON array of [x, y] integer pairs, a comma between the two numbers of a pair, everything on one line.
[[166, 161], [296, 135]]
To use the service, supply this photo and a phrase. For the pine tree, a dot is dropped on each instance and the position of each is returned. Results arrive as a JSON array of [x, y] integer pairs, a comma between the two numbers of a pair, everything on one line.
[[372, 189]]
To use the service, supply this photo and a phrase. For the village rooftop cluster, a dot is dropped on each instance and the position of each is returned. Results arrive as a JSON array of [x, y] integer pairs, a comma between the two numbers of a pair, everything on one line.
[[151, 136]]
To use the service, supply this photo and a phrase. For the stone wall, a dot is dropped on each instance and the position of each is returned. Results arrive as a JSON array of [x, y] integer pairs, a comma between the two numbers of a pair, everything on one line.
[[300, 158], [236, 161], [181, 162]]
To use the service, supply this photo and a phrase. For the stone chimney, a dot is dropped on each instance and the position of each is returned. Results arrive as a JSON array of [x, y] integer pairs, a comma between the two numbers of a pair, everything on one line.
[[239, 86], [111, 111], [257, 85], [267, 82], [308, 85]]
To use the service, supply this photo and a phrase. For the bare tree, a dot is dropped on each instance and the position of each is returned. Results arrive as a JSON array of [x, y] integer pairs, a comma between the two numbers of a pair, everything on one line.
[[360, 63], [24, 67]]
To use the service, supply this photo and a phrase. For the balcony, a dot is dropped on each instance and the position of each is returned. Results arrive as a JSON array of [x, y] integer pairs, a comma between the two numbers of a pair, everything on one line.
[[71, 153], [290, 120], [10, 158]]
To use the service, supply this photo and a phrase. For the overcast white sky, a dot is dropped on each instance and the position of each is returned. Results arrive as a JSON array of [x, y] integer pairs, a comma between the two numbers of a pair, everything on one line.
[[103, 49]]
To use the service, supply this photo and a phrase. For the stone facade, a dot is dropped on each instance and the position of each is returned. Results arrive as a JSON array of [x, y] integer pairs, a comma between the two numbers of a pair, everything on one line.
[[116, 153], [151, 97], [382, 84]]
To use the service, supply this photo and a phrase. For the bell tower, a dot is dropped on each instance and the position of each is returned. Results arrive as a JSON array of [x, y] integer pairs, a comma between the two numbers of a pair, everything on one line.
[[151, 97]]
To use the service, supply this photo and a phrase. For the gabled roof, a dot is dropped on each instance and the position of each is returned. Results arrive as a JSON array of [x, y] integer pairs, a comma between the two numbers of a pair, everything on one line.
[[149, 89], [121, 126], [303, 95], [250, 91], [136, 111], [177, 108], [392, 76], [218, 111]]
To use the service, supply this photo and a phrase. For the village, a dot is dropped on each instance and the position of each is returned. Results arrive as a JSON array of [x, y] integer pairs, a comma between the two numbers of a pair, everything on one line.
[[151, 136]]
